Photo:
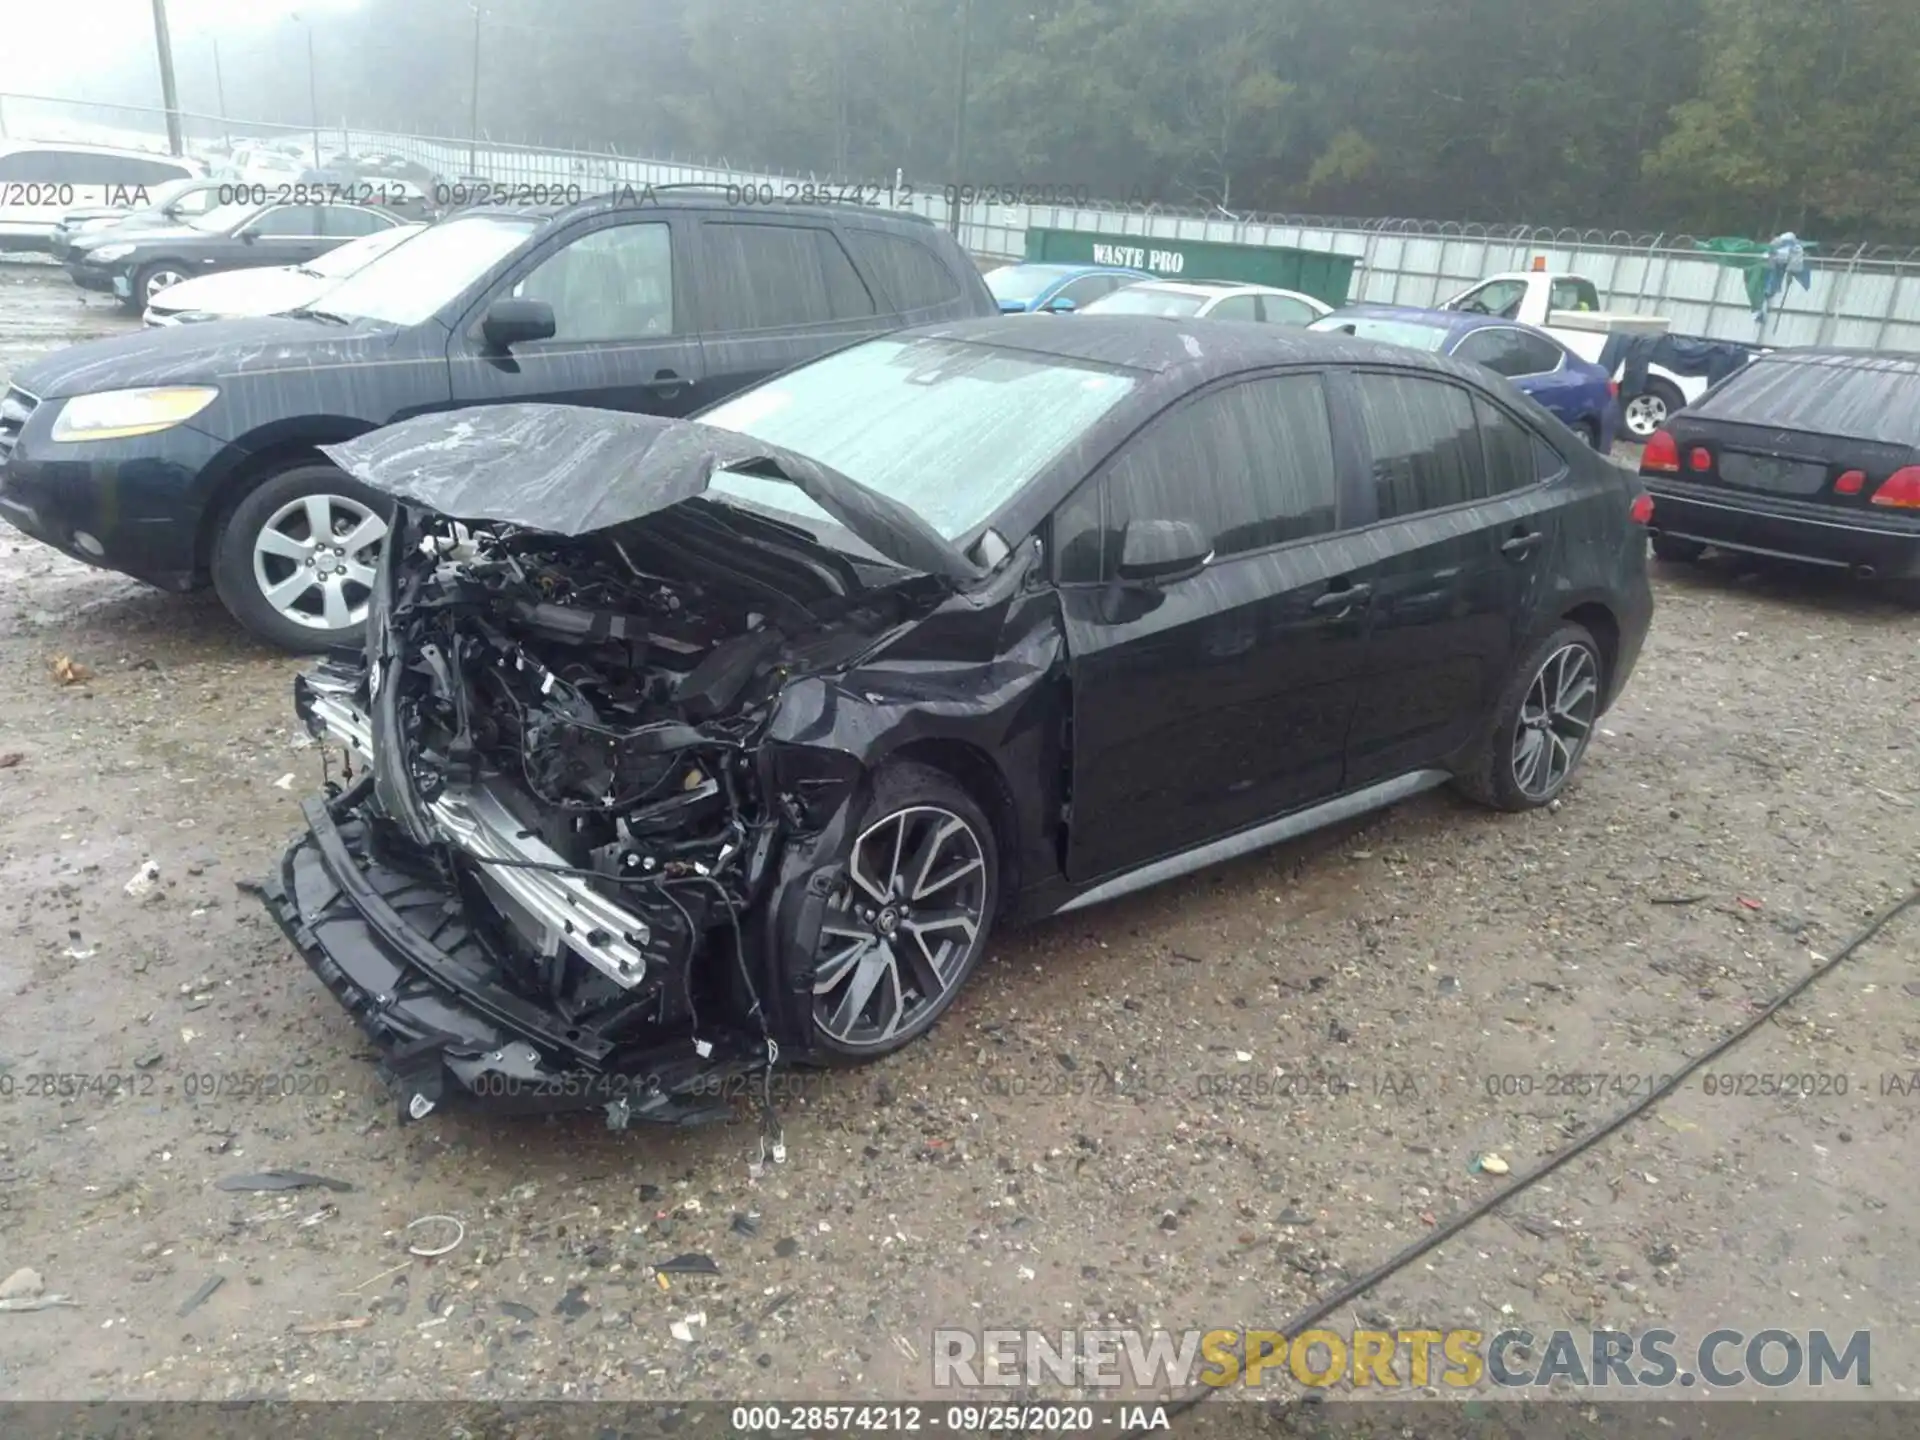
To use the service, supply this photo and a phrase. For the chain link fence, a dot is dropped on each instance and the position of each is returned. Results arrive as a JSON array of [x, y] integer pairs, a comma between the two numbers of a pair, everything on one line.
[[1860, 295]]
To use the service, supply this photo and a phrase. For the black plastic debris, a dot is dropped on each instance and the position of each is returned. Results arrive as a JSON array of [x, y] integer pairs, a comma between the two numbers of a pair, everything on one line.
[[200, 1297], [689, 1264], [269, 1180], [745, 1224], [517, 1311], [573, 1304]]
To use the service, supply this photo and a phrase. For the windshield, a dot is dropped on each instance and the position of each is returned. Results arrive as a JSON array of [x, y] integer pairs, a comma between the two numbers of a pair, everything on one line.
[[1021, 283], [950, 431], [355, 254], [1413, 334], [1146, 300], [412, 281], [224, 218]]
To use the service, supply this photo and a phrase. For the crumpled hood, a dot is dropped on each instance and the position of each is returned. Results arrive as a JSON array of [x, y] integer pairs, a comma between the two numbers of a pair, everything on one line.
[[571, 470]]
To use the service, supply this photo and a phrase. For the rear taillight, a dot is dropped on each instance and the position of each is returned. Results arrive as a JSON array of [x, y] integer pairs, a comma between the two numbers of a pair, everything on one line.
[[1700, 458], [1902, 489], [1641, 511], [1661, 454], [1851, 483], [1613, 388]]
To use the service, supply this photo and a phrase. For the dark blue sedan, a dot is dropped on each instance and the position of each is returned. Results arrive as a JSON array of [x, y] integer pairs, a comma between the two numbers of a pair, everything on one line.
[[1056, 287], [1576, 390]]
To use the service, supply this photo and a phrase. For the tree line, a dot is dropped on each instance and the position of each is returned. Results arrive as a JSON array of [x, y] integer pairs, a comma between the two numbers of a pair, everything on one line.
[[1741, 117]]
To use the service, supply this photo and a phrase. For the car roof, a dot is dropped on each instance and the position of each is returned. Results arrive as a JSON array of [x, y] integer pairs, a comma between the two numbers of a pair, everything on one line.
[[118, 152], [1158, 344], [624, 196], [1454, 322]]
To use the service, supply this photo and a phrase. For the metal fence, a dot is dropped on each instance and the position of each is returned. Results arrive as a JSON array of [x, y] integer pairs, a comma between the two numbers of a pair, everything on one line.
[[1866, 296]]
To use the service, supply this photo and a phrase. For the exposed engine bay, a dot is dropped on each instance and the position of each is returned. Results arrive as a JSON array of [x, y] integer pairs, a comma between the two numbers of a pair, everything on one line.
[[573, 724]]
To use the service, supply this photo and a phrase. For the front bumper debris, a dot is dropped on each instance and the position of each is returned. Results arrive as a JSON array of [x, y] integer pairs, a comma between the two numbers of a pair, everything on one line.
[[398, 954]]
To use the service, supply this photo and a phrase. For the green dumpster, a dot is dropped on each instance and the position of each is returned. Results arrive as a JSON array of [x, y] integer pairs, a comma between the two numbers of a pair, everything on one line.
[[1318, 273]]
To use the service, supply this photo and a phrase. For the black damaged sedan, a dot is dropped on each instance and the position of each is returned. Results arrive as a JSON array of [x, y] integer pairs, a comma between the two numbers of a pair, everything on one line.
[[680, 748]]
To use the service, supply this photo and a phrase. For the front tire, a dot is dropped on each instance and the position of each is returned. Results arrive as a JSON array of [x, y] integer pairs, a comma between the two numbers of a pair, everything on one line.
[[911, 919], [294, 559], [149, 281], [1541, 724]]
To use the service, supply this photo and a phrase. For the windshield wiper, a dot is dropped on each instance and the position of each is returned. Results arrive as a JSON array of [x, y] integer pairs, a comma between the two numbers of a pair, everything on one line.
[[308, 312], [308, 270]]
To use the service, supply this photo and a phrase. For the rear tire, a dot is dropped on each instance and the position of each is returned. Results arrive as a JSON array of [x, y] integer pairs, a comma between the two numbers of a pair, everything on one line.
[[294, 558], [1540, 725], [1650, 409], [1677, 551], [1589, 431], [904, 934]]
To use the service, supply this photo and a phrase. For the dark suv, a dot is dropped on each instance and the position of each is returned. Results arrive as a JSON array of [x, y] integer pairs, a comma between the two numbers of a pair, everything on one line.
[[190, 455]]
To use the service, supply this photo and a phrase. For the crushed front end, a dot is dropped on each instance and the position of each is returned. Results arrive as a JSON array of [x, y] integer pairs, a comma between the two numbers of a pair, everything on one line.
[[565, 869]]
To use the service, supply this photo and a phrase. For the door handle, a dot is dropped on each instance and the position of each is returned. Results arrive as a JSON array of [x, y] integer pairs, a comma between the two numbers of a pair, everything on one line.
[[1343, 599], [1520, 546]]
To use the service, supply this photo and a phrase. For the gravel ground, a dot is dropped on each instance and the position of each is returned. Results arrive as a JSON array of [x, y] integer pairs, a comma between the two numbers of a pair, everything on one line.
[[1199, 1107]]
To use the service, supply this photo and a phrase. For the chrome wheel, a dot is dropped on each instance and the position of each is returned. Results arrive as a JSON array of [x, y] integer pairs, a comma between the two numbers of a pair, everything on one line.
[[1556, 719], [896, 942], [314, 560], [1645, 414], [159, 280]]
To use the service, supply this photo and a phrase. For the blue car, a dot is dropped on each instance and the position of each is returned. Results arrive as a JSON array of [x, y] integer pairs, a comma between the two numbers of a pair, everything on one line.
[[1056, 287], [1576, 390]]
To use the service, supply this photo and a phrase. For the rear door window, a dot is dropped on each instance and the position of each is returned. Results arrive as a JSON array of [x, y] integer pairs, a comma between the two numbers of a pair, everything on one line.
[[1281, 310], [1236, 307], [1422, 442], [911, 276], [1515, 456], [774, 277], [1494, 348], [285, 221]]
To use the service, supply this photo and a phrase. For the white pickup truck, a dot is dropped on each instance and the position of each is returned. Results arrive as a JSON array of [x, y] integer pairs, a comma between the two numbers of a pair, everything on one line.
[[1568, 307]]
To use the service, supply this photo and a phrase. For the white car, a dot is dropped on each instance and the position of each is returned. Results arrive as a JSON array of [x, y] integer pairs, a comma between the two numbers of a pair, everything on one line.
[[274, 291], [1212, 300], [40, 182]]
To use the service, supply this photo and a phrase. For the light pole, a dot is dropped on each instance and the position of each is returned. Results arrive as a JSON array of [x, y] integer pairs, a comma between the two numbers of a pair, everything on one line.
[[313, 93], [473, 118], [959, 181], [169, 97], [220, 96]]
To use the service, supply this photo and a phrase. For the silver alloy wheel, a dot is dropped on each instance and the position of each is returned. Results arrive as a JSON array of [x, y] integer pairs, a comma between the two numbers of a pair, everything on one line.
[[1556, 720], [159, 280], [896, 942], [1645, 413], [314, 560]]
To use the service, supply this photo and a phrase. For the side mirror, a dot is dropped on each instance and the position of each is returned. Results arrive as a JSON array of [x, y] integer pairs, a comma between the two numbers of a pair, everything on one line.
[[1159, 552], [1060, 305], [247, 237], [511, 322]]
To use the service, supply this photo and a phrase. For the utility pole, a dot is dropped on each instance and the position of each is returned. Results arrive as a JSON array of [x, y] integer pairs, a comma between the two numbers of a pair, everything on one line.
[[168, 95], [473, 118], [958, 183], [220, 96], [313, 99], [313, 92]]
